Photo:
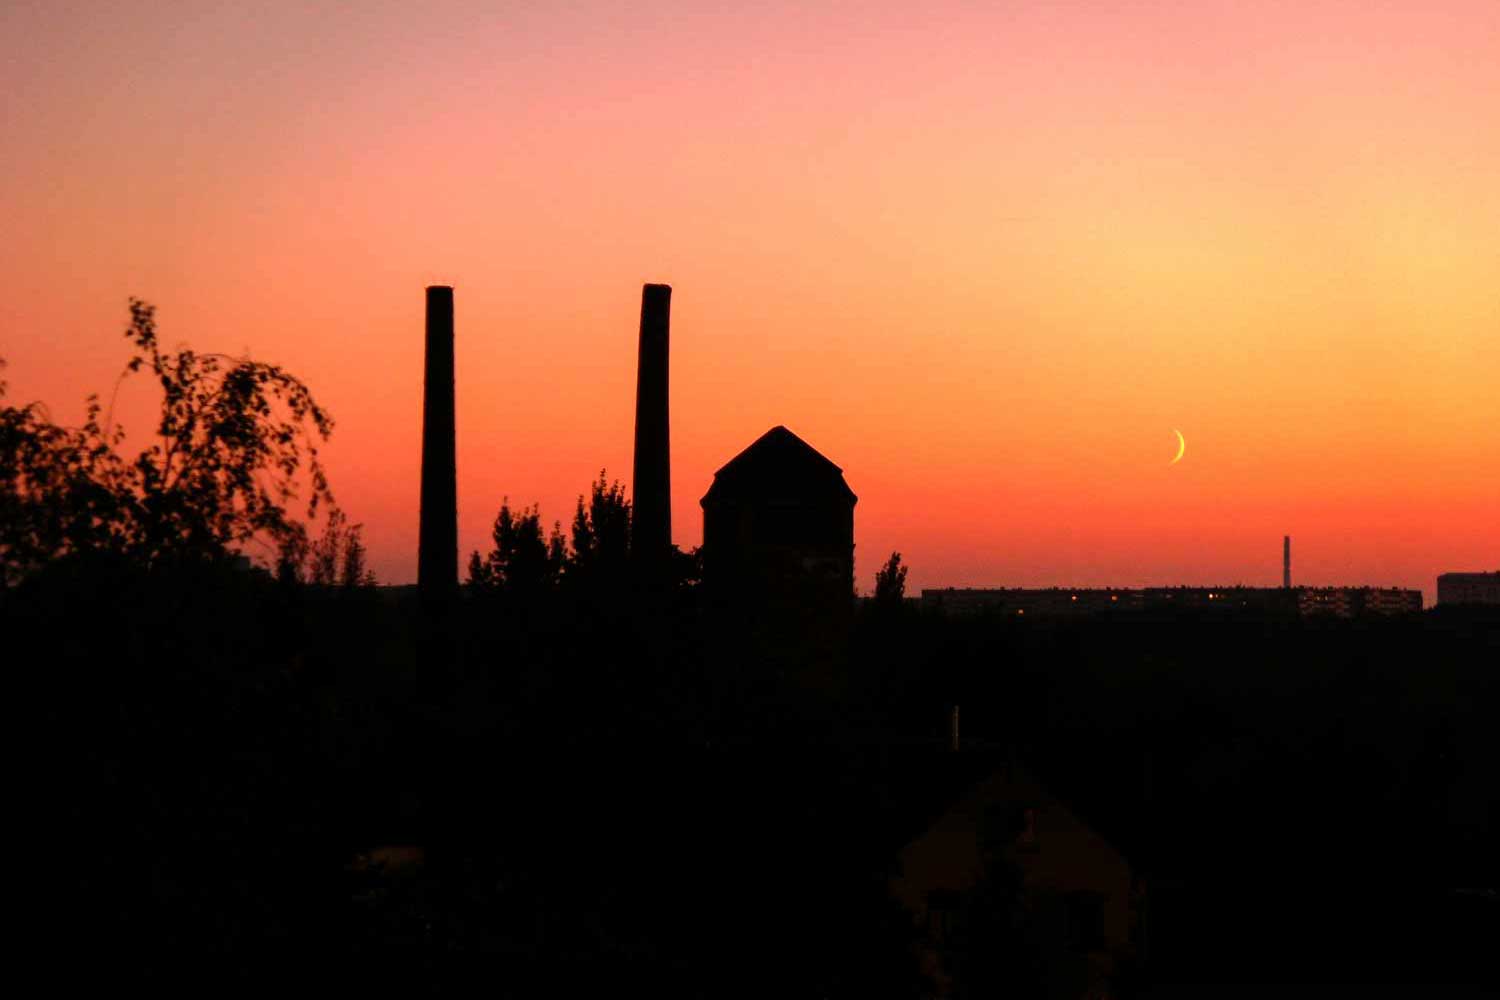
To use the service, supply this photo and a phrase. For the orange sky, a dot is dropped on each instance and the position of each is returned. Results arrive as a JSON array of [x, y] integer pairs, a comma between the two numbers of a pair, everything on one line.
[[984, 257]]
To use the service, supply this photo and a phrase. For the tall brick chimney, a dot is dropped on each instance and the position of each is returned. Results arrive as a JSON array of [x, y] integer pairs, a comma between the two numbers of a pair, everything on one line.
[[651, 523], [437, 543], [1286, 562]]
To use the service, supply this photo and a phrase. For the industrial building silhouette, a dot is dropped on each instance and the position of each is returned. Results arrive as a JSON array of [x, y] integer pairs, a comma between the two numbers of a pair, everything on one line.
[[777, 517]]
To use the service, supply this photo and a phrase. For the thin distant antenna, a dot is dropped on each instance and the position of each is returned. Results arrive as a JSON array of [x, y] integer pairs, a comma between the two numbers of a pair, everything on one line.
[[1286, 562]]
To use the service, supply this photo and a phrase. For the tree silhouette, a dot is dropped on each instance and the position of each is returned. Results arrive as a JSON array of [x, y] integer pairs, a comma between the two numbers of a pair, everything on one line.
[[601, 532], [235, 438], [59, 489], [890, 582], [354, 572], [522, 562], [335, 559]]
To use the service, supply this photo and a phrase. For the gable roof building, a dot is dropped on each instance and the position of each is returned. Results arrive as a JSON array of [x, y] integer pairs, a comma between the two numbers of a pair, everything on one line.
[[779, 520]]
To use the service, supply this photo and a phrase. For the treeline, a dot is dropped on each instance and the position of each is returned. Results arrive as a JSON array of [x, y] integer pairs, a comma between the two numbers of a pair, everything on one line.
[[526, 565]]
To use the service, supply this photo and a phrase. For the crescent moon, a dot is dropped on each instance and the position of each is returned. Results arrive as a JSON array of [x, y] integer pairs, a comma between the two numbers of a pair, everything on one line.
[[1181, 446]]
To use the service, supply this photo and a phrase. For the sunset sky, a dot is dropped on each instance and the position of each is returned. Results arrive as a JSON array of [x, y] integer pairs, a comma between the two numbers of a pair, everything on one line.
[[985, 257]]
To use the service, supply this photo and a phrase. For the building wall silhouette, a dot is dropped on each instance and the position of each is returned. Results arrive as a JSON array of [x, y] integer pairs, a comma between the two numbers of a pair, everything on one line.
[[1468, 588]]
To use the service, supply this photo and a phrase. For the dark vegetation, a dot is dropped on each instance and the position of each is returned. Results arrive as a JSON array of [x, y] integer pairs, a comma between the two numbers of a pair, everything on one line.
[[568, 782], [235, 440]]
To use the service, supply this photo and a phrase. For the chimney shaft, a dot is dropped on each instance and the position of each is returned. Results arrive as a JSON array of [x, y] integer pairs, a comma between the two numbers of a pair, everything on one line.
[[1286, 561], [651, 523], [437, 544]]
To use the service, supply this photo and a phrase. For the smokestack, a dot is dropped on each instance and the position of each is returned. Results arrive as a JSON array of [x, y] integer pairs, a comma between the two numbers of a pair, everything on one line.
[[651, 523], [1286, 561], [437, 543]]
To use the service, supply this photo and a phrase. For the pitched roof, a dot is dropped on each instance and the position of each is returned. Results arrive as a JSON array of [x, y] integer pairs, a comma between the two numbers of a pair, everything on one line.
[[779, 464]]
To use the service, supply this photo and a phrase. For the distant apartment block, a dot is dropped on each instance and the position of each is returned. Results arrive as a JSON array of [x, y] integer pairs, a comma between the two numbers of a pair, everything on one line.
[[1391, 601], [961, 601], [1468, 588], [1354, 602], [1339, 602]]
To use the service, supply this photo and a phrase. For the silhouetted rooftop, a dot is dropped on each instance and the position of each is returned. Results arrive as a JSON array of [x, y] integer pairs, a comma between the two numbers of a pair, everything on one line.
[[778, 464]]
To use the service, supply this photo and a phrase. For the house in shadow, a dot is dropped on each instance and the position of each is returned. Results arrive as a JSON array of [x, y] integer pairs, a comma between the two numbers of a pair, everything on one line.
[[778, 526], [1010, 843]]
